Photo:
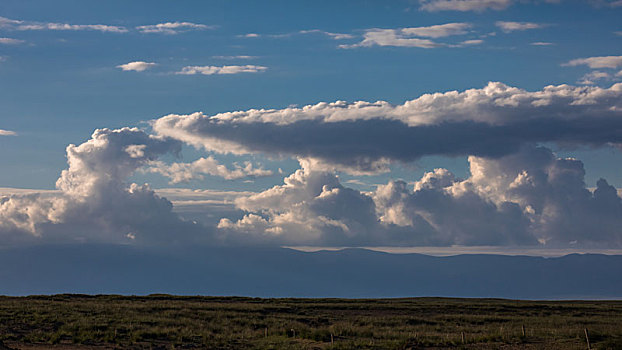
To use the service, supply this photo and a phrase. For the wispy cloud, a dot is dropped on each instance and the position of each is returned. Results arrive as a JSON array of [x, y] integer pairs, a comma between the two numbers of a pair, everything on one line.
[[7, 22], [541, 43], [464, 5], [211, 70], [606, 3], [591, 77], [172, 27], [184, 172], [517, 26], [160, 28], [11, 41], [336, 36], [438, 31], [406, 37], [238, 57], [65, 26], [32, 25], [137, 66], [410, 37], [470, 42], [597, 62], [391, 37], [7, 133]]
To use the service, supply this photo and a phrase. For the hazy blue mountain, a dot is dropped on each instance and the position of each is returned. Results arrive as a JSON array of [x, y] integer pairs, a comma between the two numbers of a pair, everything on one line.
[[272, 272]]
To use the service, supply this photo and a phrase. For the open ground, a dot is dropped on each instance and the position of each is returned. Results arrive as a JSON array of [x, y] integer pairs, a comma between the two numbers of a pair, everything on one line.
[[172, 322]]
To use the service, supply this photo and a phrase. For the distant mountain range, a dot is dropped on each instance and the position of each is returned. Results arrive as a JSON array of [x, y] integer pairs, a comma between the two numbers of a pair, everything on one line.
[[281, 272]]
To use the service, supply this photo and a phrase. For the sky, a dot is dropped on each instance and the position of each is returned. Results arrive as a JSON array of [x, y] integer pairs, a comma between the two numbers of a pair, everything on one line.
[[401, 124]]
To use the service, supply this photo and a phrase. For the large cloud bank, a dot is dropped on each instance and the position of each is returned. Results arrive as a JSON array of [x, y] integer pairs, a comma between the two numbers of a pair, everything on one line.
[[494, 121], [517, 194], [526, 198]]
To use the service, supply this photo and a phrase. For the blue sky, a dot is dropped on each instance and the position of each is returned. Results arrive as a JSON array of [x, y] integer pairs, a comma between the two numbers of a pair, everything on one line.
[[68, 68]]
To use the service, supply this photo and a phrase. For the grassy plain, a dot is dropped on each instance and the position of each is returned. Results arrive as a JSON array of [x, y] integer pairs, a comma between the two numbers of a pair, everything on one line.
[[172, 322]]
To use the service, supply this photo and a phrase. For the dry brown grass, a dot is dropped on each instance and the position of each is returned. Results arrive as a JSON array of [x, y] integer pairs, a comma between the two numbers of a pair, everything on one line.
[[167, 322]]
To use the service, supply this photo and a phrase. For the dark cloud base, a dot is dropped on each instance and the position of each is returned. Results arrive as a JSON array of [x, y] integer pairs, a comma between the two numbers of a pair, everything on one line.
[[359, 142]]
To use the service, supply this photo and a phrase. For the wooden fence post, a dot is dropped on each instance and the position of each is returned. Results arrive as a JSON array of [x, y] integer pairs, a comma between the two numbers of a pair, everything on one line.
[[523, 328], [587, 339]]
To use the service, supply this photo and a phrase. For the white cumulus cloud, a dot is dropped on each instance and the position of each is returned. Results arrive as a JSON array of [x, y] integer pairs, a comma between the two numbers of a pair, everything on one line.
[[94, 201], [137, 66], [597, 62], [528, 198]]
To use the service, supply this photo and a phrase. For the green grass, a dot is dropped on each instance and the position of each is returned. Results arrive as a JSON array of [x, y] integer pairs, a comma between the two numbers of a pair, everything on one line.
[[169, 322]]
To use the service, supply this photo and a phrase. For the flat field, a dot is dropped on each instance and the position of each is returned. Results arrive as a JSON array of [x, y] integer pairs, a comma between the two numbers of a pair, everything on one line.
[[172, 322]]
